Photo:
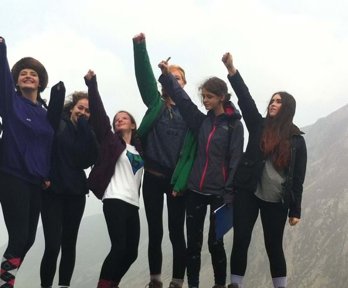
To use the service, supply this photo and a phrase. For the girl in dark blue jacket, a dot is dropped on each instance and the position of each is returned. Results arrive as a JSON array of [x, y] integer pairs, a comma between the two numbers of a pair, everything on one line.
[[220, 146], [269, 178], [74, 149]]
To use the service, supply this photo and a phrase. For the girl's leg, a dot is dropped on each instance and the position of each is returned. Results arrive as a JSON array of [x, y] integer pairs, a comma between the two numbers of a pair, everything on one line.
[[74, 207], [51, 217], [21, 202], [216, 247], [245, 214], [176, 221], [273, 217], [153, 195], [196, 211], [132, 243]]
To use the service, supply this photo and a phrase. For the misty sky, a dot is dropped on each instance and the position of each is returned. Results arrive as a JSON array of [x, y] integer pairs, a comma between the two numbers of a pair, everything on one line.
[[299, 46]]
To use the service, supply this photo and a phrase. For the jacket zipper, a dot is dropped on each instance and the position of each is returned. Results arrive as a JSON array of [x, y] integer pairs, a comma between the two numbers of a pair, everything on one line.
[[206, 161]]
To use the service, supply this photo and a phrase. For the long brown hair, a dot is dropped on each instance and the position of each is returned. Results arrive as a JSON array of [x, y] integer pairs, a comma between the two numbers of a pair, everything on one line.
[[276, 136]]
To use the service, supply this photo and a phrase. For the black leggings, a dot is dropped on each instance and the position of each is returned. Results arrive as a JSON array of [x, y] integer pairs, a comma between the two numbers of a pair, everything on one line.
[[21, 203], [273, 218], [196, 212], [154, 189], [61, 217], [122, 220]]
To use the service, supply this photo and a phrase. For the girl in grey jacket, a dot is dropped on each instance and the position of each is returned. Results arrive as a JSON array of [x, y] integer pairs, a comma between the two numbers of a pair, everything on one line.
[[220, 146]]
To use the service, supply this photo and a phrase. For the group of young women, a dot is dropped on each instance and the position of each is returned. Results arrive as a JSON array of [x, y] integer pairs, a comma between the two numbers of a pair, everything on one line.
[[194, 159]]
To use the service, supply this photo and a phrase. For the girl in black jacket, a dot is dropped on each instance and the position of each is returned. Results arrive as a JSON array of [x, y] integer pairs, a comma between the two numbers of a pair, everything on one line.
[[269, 178], [74, 149], [220, 146]]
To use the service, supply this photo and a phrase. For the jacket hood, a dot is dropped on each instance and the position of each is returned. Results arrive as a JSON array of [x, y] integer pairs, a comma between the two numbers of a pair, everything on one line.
[[230, 111]]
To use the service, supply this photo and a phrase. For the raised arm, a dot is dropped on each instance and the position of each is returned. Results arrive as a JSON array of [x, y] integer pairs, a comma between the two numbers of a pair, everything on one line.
[[55, 107], [146, 80], [189, 111], [99, 120], [245, 101], [7, 87]]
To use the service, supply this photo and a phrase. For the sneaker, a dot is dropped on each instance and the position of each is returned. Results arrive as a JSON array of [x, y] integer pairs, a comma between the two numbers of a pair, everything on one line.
[[154, 284], [174, 285], [233, 285]]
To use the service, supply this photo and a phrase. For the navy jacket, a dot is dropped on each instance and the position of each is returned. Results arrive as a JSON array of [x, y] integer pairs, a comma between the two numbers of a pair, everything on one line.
[[28, 134], [74, 149]]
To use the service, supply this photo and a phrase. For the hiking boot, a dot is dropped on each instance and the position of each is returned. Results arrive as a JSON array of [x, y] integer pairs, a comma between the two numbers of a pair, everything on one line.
[[174, 285], [154, 284]]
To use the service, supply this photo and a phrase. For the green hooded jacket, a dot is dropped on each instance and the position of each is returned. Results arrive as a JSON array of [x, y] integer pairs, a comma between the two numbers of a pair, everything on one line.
[[151, 97]]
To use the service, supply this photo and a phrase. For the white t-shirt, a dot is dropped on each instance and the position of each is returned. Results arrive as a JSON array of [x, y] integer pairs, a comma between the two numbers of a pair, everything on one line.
[[125, 183]]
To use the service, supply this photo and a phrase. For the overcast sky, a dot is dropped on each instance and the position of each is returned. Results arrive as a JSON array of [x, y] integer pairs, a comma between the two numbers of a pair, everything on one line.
[[295, 45]]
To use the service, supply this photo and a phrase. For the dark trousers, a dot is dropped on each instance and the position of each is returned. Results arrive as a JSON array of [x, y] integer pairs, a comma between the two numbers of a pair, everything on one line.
[[273, 218], [61, 217], [154, 189], [21, 204], [196, 211], [122, 220]]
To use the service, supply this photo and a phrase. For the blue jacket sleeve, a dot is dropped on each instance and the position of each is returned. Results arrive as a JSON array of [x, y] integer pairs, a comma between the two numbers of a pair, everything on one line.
[[7, 86], [56, 104], [189, 111]]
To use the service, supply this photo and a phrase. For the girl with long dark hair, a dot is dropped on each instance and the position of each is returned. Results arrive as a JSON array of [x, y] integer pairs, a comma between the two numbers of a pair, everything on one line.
[[269, 179]]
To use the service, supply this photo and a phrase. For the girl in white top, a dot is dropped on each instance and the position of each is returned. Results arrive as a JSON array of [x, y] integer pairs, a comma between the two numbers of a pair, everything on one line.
[[116, 179], [120, 206]]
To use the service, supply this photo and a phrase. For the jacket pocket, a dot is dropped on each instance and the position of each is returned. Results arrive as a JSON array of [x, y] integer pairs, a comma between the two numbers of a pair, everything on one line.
[[248, 174]]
